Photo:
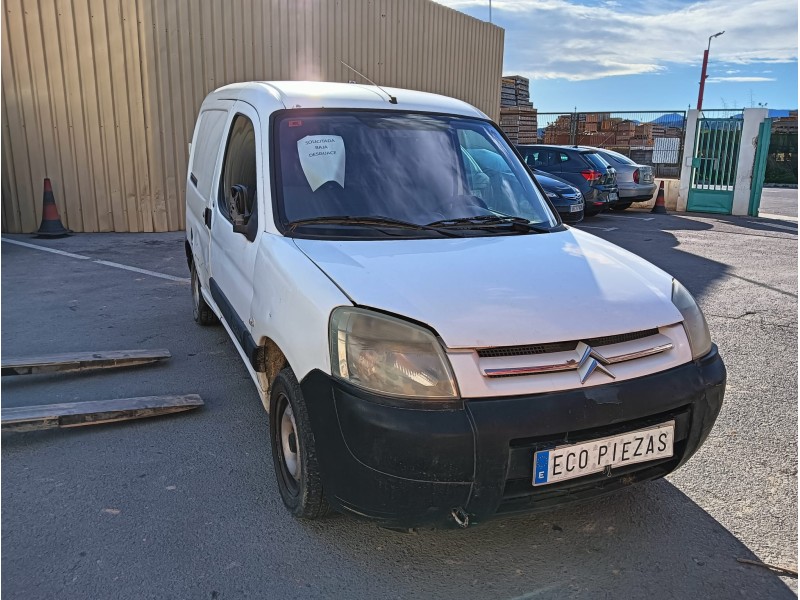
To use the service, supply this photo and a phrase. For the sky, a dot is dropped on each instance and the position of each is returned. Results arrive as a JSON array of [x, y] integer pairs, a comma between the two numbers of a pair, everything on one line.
[[647, 55]]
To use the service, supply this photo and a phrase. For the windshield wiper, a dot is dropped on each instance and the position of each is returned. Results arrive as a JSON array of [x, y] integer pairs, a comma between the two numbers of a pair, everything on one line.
[[371, 221], [482, 221]]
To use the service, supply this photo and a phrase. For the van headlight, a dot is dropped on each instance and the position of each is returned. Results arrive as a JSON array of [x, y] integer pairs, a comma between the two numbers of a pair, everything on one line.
[[389, 356], [693, 320]]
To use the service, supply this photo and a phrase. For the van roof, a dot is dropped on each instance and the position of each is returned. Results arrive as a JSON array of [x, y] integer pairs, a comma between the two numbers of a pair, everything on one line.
[[318, 94]]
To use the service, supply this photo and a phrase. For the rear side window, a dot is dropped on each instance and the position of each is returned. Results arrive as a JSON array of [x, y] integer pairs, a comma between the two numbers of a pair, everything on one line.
[[239, 168], [206, 148], [563, 157], [618, 159], [540, 158], [595, 160]]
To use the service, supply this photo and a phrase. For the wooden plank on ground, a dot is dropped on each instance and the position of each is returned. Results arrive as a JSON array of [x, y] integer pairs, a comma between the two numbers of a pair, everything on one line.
[[80, 361], [77, 414]]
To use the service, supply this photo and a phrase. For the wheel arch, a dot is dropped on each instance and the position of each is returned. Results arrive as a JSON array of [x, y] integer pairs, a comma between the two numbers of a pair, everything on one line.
[[270, 360]]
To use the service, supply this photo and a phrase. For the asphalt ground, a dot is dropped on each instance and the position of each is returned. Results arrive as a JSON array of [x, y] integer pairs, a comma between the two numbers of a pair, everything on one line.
[[779, 202], [187, 506]]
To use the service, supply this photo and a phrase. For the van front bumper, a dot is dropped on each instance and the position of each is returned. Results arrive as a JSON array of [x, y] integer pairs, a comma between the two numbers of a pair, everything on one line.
[[412, 465]]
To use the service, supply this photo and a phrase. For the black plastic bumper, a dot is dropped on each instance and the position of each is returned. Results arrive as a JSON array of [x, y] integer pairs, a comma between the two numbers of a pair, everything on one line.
[[407, 465]]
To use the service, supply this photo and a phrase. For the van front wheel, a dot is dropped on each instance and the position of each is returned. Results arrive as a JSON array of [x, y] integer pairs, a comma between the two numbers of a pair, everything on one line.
[[293, 450]]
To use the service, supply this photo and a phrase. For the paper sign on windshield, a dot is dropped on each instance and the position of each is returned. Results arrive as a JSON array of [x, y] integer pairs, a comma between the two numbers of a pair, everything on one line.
[[322, 159]]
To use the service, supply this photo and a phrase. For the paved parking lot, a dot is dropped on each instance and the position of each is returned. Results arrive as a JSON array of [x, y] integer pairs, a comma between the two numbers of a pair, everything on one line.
[[187, 506], [780, 202]]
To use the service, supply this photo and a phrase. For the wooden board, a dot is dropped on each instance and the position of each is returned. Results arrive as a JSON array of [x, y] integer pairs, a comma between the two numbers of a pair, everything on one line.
[[80, 361], [77, 414]]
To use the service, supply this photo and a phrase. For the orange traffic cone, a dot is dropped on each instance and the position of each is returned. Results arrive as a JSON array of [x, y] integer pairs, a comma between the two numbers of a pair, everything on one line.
[[51, 223], [660, 207]]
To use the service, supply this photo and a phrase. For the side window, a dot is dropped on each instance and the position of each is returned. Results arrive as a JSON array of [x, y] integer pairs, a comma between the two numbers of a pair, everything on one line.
[[205, 149], [237, 185], [530, 157], [563, 157]]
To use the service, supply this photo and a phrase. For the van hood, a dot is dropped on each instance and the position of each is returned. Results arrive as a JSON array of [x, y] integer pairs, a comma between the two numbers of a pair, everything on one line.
[[502, 291]]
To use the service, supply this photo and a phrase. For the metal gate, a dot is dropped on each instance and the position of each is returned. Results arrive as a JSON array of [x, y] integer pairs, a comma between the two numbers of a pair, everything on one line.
[[714, 159]]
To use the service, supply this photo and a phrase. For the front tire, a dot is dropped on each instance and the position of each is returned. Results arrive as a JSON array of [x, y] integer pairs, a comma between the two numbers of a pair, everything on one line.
[[201, 311], [293, 449]]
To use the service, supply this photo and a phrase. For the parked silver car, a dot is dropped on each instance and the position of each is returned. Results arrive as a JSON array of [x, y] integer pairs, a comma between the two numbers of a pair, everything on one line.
[[636, 182]]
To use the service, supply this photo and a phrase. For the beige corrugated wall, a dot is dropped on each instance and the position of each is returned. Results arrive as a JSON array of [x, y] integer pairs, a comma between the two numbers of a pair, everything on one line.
[[101, 95]]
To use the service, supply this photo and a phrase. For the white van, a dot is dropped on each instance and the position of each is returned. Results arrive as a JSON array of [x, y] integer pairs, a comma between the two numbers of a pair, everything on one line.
[[432, 344]]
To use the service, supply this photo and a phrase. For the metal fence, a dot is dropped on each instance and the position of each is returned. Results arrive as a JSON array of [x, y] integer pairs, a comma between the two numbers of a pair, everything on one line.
[[721, 113], [648, 137]]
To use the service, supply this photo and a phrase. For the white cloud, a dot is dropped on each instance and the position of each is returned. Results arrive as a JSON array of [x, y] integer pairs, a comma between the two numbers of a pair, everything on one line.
[[548, 39], [738, 79], [732, 71]]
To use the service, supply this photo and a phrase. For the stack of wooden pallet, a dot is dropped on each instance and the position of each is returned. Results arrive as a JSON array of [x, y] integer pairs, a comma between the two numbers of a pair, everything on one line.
[[517, 115], [515, 91], [519, 123]]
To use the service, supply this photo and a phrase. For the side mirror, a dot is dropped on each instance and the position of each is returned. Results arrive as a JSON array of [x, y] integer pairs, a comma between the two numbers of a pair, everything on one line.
[[237, 205], [245, 221]]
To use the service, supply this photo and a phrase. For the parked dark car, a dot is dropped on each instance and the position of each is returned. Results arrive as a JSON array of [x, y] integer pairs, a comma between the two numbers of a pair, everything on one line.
[[567, 199], [585, 169], [636, 182]]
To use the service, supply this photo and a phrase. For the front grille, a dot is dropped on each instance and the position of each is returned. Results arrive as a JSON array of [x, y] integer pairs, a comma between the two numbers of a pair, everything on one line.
[[501, 351]]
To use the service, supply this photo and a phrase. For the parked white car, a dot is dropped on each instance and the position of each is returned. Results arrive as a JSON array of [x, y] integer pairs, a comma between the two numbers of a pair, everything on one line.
[[432, 344]]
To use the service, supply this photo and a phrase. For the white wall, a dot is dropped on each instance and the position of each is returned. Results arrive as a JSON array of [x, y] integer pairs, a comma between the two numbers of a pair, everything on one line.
[[688, 152]]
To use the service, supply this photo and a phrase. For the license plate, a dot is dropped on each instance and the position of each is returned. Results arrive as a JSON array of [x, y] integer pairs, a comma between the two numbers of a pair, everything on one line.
[[575, 208], [613, 197], [576, 460]]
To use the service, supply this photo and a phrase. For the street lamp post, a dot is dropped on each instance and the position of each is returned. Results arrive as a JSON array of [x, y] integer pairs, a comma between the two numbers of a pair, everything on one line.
[[703, 74]]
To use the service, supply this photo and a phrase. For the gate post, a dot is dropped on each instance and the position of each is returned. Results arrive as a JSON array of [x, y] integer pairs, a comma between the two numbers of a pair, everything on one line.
[[760, 168], [753, 117], [689, 133]]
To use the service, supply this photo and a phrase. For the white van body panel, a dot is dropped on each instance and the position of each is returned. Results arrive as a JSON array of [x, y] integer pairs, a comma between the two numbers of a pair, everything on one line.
[[292, 305], [232, 255], [201, 179], [558, 287]]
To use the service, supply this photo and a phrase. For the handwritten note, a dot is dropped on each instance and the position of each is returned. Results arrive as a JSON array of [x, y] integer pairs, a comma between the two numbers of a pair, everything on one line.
[[322, 158]]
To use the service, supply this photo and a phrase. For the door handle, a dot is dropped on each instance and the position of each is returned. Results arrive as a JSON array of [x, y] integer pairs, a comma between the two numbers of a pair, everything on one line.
[[207, 217]]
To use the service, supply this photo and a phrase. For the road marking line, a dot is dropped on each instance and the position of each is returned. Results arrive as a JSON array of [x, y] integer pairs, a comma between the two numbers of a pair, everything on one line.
[[53, 250], [787, 227], [623, 217], [143, 271], [600, 228], [99, 262]]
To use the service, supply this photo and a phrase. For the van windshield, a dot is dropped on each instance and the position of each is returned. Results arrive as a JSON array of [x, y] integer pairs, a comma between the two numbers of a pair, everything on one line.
[[429, 171]]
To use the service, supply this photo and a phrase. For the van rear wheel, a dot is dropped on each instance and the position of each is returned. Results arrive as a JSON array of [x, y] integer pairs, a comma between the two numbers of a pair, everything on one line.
[[201, 311], [293, 450]]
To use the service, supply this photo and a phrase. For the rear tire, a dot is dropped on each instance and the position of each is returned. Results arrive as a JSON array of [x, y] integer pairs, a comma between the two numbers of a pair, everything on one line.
[[201, 311], [293, 449], [622, 206]]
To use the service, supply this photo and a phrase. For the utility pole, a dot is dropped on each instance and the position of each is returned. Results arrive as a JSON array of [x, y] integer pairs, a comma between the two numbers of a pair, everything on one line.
[[703, 74]]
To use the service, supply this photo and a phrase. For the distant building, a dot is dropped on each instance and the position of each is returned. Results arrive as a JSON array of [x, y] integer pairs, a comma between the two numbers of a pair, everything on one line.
[[785, 124]]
